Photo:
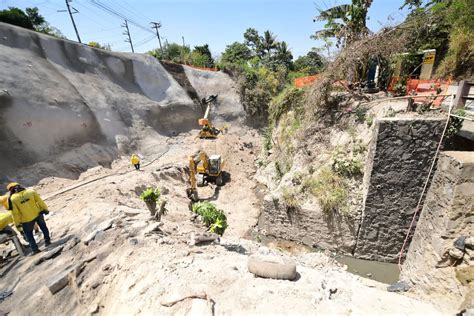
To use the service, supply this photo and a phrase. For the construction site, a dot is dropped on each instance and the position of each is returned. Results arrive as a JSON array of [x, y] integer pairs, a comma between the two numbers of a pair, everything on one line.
[[364, 211]]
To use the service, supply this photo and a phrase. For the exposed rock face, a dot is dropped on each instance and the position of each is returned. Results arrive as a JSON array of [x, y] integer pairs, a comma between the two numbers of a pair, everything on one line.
[[399, 162], [308, 225], [447, 214]]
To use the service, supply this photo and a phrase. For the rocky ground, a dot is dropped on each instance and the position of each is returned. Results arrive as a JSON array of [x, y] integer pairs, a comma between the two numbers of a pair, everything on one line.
[[113, 259]]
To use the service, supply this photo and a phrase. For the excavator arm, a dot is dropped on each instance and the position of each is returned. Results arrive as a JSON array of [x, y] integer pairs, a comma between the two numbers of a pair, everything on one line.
[[192, 190]]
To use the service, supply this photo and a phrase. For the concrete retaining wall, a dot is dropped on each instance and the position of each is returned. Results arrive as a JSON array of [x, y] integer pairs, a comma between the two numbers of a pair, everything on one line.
[[399, 161]]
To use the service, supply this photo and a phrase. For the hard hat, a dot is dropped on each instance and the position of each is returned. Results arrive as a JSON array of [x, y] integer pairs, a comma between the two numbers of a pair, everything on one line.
[[11, 185]]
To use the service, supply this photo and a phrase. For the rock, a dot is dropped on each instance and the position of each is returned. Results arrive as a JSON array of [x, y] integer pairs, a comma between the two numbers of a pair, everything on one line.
[[195, 239], [71, 243], [90, 257], [102, 227], [456, 253], [460, 243], [106, 225], [400, 286], [90, 237], [48, 255], [201, 307], [469, 242], [58, 282], [369, 275], [94, 309]]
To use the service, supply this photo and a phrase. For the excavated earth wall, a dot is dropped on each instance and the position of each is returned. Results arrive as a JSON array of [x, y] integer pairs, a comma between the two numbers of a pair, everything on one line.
[[66, 107]]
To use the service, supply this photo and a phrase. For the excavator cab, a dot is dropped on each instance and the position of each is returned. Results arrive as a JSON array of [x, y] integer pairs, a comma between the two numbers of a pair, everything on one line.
[[215, 165]]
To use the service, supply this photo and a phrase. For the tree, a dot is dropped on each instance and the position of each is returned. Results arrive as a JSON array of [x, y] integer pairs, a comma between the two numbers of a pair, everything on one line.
[[16, 17], [345, 22], [283, 55], [236, 53], [29, 19], [206, 53], [35, 18], [448, 27], [312, 63], [252, 39], [268, 44]]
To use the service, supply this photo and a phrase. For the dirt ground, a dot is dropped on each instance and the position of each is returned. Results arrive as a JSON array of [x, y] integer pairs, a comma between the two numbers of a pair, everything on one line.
[[135, 267]]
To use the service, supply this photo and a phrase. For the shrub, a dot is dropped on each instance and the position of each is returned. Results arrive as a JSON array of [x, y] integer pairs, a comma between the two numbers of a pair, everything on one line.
[[150, 195], [346, 166], [213, 218], [330, 190], [455, 123], [290, 199], [360, 114], [289, 99]]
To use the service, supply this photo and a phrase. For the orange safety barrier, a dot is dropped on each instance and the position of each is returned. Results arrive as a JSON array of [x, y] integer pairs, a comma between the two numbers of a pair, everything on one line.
[[305, 81], [428, 88], [203, 68]]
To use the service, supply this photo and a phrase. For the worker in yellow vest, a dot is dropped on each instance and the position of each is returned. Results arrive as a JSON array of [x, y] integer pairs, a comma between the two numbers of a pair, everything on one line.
[[27, 209], [135, 160]]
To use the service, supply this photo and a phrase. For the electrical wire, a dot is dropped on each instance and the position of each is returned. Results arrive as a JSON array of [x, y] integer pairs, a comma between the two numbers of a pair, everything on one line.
[[119, 14]]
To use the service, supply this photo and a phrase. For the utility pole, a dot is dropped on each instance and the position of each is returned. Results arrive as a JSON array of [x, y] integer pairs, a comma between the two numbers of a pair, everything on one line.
[[182, 51], [72, 18], [167, 45], [127, 32], [156, 26]]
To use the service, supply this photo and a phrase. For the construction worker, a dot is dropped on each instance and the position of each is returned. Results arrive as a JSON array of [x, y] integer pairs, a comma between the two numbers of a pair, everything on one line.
[[135, 160], [27, 209]]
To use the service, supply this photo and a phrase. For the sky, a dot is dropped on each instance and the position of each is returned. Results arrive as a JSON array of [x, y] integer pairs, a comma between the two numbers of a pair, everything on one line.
[[214, 22]]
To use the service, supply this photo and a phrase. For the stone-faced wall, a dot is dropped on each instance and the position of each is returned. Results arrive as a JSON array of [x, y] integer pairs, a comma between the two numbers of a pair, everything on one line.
[[309, 225], [448, 213], [400, 159]]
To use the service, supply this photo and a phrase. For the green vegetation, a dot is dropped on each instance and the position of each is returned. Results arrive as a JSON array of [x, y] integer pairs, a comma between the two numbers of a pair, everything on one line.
[[213, 218], [448, 27], [455, 123], [345, 22], [330, 189], [150, 195], [310, 64], [290, 198], [200, 56], [98, 45], [345, 165], [29, 19]]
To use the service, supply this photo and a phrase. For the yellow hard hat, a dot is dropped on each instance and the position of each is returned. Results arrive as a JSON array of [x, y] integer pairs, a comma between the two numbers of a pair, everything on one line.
[[11, 185]]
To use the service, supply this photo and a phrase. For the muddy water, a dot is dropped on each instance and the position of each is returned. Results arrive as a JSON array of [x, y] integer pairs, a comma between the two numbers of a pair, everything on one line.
[[379, 271]]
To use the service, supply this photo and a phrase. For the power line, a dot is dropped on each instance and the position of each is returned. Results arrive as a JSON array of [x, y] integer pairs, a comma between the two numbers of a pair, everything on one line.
[[117, 13]]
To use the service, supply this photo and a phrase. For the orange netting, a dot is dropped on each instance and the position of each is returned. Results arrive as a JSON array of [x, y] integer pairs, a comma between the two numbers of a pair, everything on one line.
[[204, 68], [428, 88], [305, 81]]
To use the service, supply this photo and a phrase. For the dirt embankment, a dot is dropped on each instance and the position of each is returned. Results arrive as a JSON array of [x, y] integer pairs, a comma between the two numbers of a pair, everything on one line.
[[58, 96]]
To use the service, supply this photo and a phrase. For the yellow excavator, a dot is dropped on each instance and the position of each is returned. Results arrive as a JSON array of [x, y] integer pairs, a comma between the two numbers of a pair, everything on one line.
[[207, 130], [204, 169]]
